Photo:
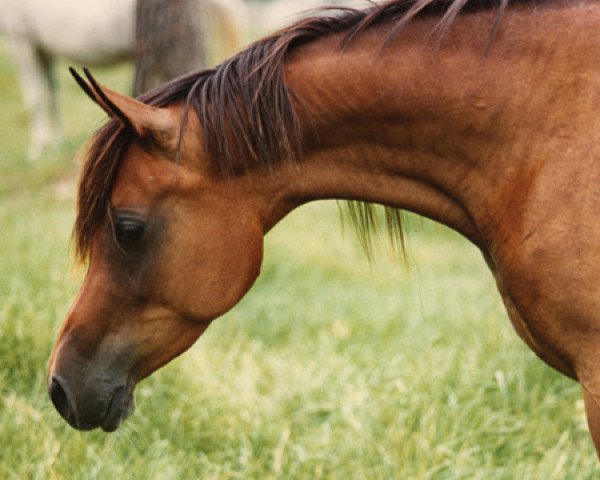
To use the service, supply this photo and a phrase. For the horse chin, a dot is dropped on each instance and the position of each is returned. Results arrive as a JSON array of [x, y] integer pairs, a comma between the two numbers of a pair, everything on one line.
[[120, 408]]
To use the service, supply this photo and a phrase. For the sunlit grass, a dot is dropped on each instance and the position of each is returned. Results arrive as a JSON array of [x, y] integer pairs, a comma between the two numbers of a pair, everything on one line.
[[330, 368]]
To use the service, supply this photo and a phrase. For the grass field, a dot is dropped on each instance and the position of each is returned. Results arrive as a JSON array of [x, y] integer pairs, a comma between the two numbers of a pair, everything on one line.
[[330, 368]]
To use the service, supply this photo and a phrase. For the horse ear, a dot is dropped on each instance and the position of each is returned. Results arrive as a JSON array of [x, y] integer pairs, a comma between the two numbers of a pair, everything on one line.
[[146, 121]]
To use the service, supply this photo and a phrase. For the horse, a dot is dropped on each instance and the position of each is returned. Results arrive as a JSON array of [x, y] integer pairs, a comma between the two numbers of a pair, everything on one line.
[[481, 115], [91, 33], [279, 13]]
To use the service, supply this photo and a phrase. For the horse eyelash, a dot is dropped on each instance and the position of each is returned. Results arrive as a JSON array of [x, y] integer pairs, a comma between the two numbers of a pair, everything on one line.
[[113, 231]]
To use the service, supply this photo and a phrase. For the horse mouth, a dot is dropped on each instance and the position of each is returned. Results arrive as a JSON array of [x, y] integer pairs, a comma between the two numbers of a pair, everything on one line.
[[120, 407]]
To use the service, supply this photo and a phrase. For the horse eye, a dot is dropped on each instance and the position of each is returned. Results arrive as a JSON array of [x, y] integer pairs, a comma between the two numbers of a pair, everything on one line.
[[129, 231]]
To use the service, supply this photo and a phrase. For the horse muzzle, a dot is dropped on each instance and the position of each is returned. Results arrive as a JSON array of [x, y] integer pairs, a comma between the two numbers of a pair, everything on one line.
[[99, 403]]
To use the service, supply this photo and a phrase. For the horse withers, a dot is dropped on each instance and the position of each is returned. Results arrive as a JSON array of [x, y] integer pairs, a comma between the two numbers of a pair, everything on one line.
[[479, 115]]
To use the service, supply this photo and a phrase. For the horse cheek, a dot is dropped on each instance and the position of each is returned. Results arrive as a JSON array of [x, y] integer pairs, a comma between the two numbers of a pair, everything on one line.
[[208, 273]]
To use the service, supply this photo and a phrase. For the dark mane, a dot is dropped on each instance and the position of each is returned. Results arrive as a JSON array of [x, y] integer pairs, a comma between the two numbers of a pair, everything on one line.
[[246, 108]]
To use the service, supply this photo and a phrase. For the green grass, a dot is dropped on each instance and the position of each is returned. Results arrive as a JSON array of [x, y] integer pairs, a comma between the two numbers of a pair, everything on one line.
[[330, 368]]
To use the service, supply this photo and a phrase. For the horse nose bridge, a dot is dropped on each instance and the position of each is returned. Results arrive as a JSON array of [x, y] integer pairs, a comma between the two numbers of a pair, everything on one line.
[[76, 346], [86, 325]]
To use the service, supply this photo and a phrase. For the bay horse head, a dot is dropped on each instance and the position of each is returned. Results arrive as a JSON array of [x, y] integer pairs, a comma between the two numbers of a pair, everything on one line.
[[169, 251]]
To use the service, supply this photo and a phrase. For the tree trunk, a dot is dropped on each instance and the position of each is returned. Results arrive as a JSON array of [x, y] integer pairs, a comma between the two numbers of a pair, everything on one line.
[[169, 41]]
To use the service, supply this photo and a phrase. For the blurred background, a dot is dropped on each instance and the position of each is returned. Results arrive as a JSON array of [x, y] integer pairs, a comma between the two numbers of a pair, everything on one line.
[[332, 367]]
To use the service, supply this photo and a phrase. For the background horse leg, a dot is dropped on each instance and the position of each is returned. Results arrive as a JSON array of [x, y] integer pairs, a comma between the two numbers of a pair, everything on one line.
[[39, 94]]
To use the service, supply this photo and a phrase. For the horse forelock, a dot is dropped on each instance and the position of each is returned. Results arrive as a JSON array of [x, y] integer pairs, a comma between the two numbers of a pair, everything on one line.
[[95, 183], [102, 161], [246, 109]]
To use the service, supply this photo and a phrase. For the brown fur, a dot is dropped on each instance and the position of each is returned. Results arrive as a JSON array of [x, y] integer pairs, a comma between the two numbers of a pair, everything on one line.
[[502, 147]]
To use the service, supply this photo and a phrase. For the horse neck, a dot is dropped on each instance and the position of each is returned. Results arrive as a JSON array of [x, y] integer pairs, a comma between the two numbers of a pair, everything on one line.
[[454, 134]]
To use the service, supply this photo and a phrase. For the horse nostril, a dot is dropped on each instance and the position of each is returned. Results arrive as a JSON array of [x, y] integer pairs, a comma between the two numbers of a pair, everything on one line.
[[59, 397]]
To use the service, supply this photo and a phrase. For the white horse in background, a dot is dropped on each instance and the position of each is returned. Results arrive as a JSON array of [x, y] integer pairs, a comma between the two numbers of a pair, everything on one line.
[[276, 14], [92, 33]]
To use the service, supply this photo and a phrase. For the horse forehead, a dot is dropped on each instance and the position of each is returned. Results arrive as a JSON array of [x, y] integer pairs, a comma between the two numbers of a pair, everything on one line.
[[142, 178]]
